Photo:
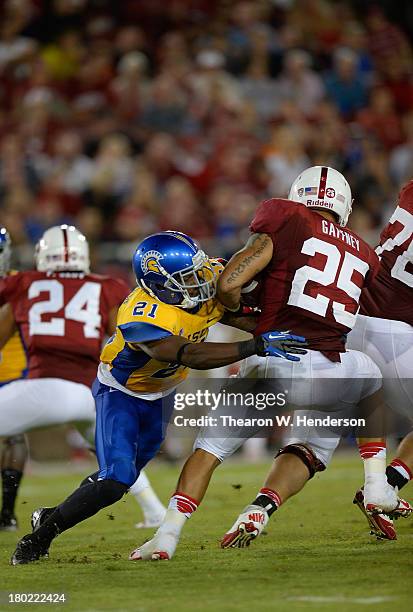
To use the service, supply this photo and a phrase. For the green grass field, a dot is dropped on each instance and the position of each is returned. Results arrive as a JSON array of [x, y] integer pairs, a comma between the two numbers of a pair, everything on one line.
[[317, 554]]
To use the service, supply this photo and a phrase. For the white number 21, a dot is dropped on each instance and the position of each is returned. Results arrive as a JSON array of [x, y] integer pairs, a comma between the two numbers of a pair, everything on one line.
[[83, 307], [325, 277]]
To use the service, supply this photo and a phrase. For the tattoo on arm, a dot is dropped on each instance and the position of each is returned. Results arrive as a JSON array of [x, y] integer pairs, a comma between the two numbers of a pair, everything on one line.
[[260, 242]]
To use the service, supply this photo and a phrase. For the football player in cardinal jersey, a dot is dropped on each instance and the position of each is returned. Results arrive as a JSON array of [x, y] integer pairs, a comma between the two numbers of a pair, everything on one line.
[[160, 333], [58, 354], [384, 330], [62, 313], [13, 365], [312, 272]]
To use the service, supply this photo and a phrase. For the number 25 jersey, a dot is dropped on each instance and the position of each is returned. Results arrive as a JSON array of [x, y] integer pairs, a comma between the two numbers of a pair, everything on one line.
[[313, 283], [62, 319], [142, 318]]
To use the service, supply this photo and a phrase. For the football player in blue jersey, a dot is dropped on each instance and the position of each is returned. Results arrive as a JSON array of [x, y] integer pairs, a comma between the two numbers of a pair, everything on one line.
[[161, 328]]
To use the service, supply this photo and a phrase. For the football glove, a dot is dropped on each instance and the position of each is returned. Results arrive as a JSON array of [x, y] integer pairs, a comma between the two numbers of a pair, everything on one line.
[[280, 344]]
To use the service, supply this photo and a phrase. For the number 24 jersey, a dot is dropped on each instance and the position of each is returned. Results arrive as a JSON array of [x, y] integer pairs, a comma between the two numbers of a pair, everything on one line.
[[62, 319]]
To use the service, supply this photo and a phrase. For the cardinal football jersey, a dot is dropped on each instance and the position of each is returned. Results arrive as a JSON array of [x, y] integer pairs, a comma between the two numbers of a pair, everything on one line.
[[13, 361], [313, 283], [62, 319], [390, 296], [141, 319]]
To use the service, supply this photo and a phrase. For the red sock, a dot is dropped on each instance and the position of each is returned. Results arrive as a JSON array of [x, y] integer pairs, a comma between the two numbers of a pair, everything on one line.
[[272, 495], [370, 450], [183, 503]]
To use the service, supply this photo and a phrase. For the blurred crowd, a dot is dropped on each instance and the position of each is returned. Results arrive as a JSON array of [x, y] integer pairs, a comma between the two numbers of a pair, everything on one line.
[[130, 117]]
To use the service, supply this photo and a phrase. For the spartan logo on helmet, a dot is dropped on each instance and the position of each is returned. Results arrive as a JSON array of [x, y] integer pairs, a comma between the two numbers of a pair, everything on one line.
[[150, 262]]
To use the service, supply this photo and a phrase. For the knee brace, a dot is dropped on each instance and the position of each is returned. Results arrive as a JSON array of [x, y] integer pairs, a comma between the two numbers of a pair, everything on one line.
[[312, 463]]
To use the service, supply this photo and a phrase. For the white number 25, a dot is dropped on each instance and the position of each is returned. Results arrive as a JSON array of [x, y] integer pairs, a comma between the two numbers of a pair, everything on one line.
[[335, 264], [83, 307]]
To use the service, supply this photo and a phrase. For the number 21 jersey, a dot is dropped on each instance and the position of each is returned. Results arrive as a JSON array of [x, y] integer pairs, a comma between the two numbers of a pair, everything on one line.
[[313, 283], [62, 319]]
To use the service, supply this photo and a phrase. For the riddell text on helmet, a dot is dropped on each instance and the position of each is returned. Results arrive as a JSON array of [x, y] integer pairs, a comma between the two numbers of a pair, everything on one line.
[[320, 203]]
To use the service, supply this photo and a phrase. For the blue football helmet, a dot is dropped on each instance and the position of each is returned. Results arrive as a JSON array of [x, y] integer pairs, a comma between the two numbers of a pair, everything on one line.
[[5, 251], [171, 267]]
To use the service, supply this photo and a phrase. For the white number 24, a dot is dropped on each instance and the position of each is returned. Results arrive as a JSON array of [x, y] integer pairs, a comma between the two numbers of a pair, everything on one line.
[[334, 264], [83, 307]]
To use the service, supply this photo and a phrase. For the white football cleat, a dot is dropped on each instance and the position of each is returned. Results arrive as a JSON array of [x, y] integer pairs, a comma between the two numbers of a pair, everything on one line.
[[381, 525], [379, 497], [160, 548], [404, 509], [248, 526]]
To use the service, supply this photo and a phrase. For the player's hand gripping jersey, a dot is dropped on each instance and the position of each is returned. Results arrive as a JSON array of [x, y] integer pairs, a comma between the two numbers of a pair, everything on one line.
[[391, 296], [62, 318], [13, 361], [312, 285], [143, 318]]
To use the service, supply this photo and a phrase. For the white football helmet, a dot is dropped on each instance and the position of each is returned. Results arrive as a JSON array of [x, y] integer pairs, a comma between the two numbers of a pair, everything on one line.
[[325, 188], [62, 248]]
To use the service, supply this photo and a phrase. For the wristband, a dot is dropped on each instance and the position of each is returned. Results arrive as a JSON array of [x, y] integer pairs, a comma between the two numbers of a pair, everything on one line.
[[247, 348]]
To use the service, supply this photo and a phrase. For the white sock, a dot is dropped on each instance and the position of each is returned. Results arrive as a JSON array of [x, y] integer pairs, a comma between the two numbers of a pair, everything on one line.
[[173, 523], [146, 497], [374, 461], [180, 509]]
